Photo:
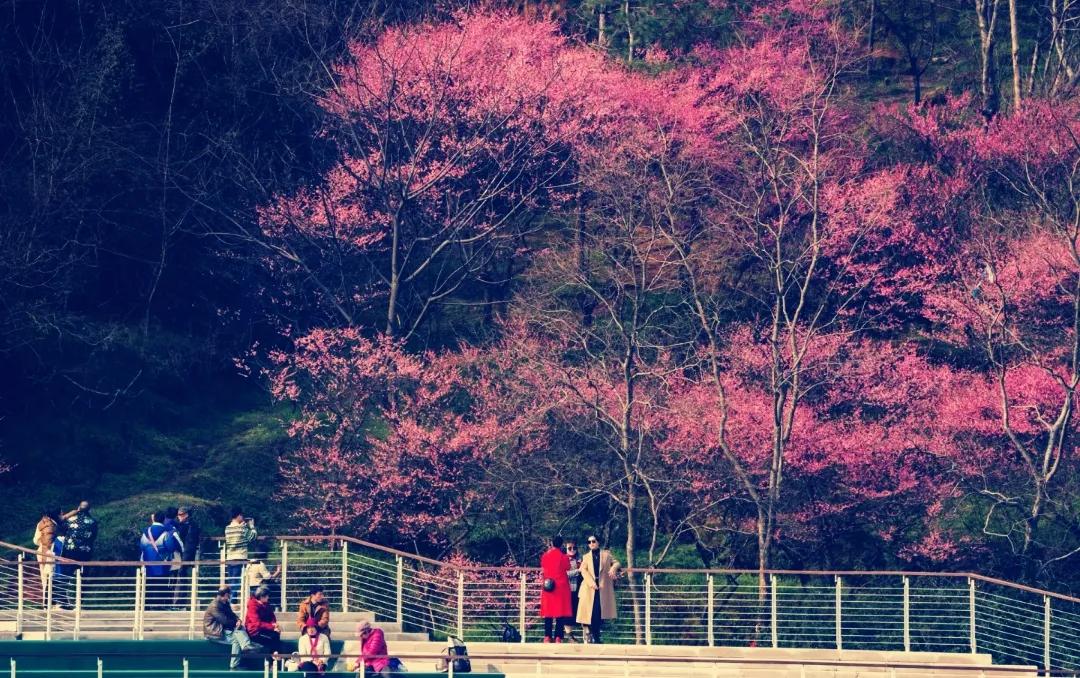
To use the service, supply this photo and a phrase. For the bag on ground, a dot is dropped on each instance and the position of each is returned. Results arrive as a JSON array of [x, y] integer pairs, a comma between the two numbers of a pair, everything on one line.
[[510, 634], [457, 654]]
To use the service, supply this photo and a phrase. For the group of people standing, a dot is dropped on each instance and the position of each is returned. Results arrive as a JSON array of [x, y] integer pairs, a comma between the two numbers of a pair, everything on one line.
[[70, 535], [171, 543], [577, 589]]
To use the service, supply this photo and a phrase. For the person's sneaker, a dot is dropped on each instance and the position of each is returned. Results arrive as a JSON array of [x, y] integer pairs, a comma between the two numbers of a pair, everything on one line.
[[558, 640], [547, 639]]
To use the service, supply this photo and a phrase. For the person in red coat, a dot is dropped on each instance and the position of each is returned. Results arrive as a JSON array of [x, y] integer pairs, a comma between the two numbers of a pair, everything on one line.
[[555, 597], [260, 622]]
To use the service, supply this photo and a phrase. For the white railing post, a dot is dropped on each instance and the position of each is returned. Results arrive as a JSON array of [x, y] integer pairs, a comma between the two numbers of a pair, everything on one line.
[[971, 615], [284, 574], [100, 668], [648, 608], [461, 604], [1046, 634], [140, 601], [194, 601], [521, 604], [12, 667], [839, 607], [221, 560], [22, 593], [711, 609], [245, 590], [907, 615], [773, 611], [78, 603], [187, 668], [400, 590], [48, 584], [344, 576], [266, 668]]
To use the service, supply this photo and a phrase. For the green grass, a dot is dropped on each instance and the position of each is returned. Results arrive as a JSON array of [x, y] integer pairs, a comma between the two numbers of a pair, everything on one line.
[[210, 445]]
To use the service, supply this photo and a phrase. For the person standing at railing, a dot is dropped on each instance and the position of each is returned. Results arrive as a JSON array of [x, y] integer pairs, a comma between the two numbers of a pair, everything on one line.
[[44, 538], [190, 536], [158, 546], [221, 625], [239, 534], [81, 530], [597, 595], [314, 608], [555, 596], [574, 575], [259, 575]]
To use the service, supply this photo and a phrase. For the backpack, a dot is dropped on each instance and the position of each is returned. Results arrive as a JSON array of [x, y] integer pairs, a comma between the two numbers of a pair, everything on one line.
[[510, 634], [455, 652]]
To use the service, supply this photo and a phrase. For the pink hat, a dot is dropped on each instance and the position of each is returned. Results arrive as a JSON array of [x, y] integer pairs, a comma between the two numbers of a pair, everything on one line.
[[311, 623]]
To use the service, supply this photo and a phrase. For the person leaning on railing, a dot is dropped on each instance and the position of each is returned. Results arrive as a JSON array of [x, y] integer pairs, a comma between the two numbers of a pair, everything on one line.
[[221, 625]]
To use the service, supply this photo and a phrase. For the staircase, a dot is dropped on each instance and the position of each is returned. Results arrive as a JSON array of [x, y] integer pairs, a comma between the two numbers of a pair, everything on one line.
[[629, 661], [162, 625]]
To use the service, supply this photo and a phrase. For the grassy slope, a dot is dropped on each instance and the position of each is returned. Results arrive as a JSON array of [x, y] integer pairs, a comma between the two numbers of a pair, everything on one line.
[[210, 446]]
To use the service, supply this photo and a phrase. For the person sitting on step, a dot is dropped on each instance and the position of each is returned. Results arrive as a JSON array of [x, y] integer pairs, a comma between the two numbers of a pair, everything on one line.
[[312, 649], [374, 659], [314, 607], [261, 622], [221, 625]]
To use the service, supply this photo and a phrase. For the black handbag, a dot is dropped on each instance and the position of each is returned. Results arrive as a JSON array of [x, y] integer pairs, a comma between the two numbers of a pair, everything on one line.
[[549, 584], [510, 634]]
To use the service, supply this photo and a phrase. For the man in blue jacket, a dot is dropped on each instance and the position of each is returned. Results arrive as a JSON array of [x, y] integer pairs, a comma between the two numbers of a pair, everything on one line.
[[159, 545]]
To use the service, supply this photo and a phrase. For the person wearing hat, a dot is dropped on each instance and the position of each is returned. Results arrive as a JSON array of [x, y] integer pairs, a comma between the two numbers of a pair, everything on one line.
[[312, 649], [221, 625], [373, 659], [190, 536]]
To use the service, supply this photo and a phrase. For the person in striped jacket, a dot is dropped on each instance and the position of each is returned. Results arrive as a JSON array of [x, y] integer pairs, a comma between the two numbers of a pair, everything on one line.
[[239, 534]]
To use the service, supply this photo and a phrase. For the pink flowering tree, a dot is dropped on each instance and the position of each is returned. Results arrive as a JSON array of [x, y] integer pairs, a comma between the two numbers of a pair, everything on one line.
[[449, 138], [389, 445], [1006, 303]]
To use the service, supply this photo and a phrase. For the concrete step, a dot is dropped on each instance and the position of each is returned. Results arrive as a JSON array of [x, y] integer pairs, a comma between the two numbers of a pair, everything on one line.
[[629, 661]]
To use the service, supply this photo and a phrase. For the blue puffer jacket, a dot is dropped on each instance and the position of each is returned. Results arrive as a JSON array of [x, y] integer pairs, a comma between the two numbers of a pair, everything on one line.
[[158, 545]]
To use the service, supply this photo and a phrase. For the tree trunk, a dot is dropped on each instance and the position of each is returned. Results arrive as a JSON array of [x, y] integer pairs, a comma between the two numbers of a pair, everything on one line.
[[916, 78], [629, 33], [1014, 38], [986, 11], [395, 278], [601, 26]]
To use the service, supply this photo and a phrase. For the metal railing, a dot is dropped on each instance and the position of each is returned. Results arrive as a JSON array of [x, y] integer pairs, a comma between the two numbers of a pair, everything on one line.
[[905, 611]]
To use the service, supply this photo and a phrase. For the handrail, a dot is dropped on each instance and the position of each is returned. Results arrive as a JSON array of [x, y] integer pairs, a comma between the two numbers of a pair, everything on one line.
[[528, 568]]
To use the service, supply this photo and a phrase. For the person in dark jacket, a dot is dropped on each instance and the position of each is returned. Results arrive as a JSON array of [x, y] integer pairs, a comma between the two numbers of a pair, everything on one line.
[[190, 536], [81, 531], [221, 625]]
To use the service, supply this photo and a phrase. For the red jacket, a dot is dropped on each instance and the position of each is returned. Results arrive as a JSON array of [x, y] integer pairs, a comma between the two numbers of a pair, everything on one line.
[[260, 617], [554, 565]]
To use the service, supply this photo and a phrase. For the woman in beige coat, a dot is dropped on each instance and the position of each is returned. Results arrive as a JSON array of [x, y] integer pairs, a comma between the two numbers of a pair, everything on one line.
[[598, 572]]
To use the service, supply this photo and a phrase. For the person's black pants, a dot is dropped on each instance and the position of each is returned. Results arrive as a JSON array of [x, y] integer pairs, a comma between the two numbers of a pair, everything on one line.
[[269, 640], [597, 620], [555, 622], [311, 669]]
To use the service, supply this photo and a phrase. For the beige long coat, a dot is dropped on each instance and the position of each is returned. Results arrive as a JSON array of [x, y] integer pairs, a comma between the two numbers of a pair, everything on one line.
[[590, 583]]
